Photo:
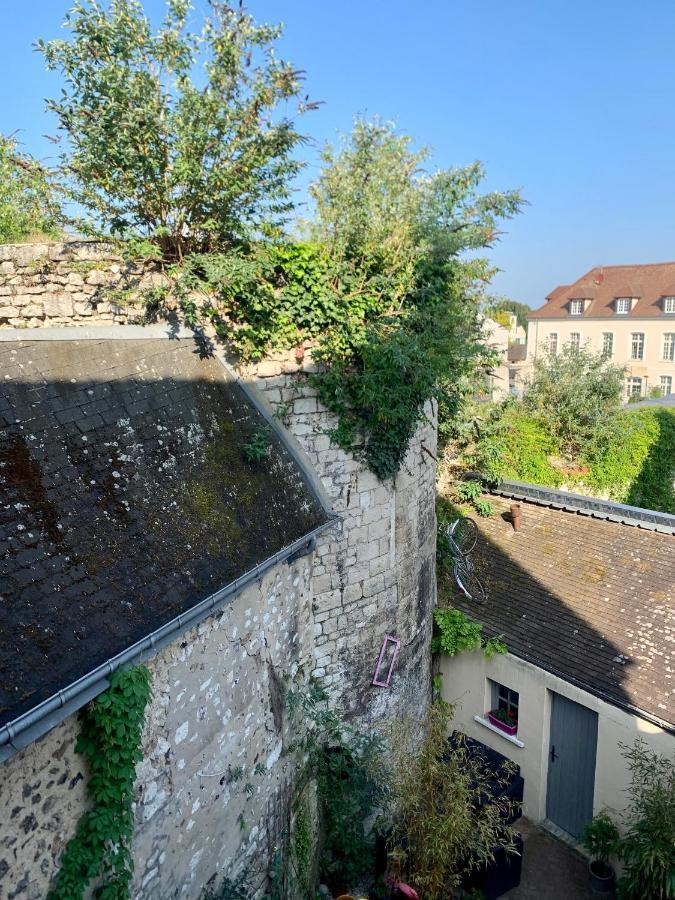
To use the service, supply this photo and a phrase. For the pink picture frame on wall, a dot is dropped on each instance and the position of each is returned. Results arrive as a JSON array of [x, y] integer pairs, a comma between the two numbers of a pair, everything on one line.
[[386, 660]]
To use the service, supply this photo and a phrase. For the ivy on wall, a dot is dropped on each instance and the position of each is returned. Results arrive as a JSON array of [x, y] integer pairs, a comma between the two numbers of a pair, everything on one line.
[[110, 740]]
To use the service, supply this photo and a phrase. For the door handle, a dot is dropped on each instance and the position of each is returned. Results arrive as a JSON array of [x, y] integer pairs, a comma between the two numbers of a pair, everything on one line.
[[554, 755]]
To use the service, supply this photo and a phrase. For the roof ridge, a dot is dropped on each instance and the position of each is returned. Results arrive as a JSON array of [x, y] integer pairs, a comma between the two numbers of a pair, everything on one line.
[[597, 508]]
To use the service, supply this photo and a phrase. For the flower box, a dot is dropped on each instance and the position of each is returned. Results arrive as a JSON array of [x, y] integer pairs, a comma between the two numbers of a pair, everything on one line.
[[503, 726]]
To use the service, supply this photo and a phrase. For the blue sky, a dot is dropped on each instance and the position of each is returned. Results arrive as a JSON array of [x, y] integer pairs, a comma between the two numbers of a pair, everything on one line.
[[572, 101]]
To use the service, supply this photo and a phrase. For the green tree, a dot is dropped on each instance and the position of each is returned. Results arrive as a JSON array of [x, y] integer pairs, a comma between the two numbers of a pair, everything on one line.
[[173, 134], [397, 237], [576, 394], [520, 310], [28, 197]]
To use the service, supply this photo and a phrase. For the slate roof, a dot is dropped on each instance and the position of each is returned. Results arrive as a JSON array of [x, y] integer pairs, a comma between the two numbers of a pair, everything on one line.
[[126, 497], [603, 284], [589, 600]]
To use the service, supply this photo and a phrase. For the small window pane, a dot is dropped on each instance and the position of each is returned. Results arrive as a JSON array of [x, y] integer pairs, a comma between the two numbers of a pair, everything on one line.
[[575, 340], [634, 387], [669, 346], [637, 345], [553, 343], [666, 384], [576, 307], [623, 305], [669, 304], [607, 344]]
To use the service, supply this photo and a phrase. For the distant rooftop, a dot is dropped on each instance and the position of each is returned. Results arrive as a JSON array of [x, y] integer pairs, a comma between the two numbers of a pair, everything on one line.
[[126, 497], [603, 285], [587, 599]]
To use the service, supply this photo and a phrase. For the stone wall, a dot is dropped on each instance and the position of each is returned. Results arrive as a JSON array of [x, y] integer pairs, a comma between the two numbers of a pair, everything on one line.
[[376, 574], [217, 692], [218, 704], [67, 283]]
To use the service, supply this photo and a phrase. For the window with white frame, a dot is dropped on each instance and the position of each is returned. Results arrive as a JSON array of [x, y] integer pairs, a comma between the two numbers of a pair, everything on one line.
[[575, 341], [504, 703], [608, 343], [553, 343], [666, 384], [622, 306], [669, 304], [637, 345], [634, 387], [576, 307], [669, 346]]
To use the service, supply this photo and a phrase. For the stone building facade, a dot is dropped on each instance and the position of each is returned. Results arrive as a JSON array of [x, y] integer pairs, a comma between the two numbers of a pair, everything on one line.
[[215, 785]]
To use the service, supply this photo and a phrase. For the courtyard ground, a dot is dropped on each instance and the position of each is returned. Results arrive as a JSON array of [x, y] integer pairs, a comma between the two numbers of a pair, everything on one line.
[[551, 869]]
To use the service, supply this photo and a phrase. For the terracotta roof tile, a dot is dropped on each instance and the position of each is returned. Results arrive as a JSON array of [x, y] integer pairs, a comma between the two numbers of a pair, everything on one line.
[[603, 284]]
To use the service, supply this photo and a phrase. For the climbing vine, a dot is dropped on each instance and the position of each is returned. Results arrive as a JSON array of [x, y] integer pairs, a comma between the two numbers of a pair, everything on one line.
[[455, 633], [110, 740]]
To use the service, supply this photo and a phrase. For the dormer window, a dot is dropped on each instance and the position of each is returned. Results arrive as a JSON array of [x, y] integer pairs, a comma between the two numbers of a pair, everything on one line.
[[576, 307], [669, 304], [622, 306]]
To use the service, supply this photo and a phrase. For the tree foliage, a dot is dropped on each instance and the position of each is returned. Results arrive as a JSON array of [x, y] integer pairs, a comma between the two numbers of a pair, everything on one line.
[[174, 134], [28, 197], [648, 846], [575, 393], [396, 238], [504, 305]]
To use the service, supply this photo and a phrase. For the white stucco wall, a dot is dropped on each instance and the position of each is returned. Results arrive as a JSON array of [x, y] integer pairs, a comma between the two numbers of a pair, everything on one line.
[[465, 681]]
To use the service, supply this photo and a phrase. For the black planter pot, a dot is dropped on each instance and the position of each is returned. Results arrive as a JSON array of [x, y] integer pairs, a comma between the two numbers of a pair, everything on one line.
[[602, 877]]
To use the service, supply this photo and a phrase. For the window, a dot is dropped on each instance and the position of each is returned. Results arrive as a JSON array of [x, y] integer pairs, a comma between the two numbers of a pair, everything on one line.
[[669, 304], [607, 344], [576, 307], [505, 699], [634, 387], [637, 345], [669, 346], [666, 384], [553, 343], [575, 341], [622, 306]]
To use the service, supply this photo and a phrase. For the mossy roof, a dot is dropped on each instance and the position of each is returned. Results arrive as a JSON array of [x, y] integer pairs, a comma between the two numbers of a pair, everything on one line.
[[589, 600], [126, 497]]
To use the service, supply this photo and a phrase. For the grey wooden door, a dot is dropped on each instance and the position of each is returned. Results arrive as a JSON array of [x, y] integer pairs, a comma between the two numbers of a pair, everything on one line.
[[571, 764]]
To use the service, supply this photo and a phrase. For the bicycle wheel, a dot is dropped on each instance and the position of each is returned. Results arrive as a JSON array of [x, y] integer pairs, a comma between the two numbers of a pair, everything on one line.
[[463, 533], [468, 582]]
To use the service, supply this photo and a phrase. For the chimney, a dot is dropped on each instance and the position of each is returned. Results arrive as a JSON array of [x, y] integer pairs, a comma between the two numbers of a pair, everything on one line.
[[515, 516]]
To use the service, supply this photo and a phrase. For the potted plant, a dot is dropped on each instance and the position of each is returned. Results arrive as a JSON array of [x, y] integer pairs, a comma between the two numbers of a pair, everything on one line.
[[505, 721], [600, 837]]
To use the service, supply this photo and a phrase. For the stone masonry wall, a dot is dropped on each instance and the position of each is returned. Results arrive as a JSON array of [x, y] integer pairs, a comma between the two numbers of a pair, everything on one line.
[[375, 575], [218, 704], [70, 282], [218, 692]]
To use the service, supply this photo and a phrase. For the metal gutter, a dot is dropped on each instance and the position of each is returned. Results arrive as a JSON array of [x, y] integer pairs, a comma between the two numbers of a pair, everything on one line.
[[649, 519], [30, 726], [25, 729]]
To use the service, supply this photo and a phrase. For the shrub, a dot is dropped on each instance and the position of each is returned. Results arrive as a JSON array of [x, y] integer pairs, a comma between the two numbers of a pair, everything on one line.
[[601, 838], [647, 847], [439, 791], [574, 394]]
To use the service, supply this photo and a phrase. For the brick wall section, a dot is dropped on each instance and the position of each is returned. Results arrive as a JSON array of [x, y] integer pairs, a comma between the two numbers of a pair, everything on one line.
[[375, 574], [68, 283]]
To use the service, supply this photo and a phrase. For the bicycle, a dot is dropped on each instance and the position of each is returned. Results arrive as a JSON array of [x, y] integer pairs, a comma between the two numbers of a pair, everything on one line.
[[462, 535]]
